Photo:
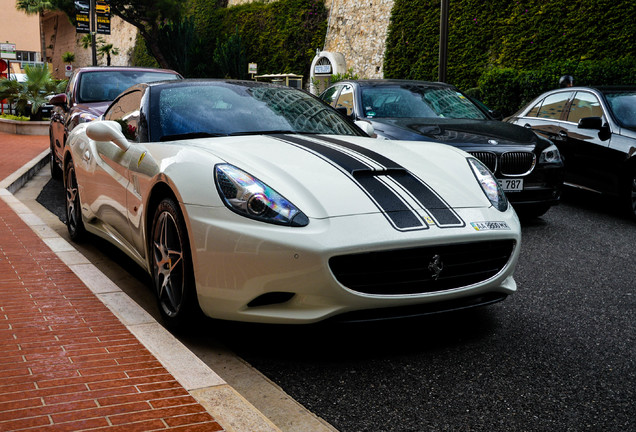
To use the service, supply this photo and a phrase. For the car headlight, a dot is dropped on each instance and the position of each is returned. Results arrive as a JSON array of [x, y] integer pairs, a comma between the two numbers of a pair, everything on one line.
[[489, 184], [550, 155], [248, 196], [86, 117]]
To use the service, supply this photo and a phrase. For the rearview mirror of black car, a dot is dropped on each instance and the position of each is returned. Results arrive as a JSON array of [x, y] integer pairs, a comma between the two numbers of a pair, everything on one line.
[[591, 123]]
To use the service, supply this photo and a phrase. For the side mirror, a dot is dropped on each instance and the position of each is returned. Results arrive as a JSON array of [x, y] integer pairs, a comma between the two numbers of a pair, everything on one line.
[[591, 123], [343, 111], [59, 100], [497, 115], [107, 130], [366, 127]]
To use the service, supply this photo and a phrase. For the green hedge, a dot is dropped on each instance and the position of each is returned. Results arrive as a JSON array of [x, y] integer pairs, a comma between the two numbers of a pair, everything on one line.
[[508, 89], [509, 52], [281, 37]]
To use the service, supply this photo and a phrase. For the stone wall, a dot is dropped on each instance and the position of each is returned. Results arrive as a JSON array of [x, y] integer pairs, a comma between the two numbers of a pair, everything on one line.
[[358, 30], [60, 37]]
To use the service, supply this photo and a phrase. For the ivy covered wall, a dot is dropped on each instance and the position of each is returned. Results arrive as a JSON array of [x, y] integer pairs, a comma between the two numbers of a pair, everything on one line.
[[281, 37], [556, 35]]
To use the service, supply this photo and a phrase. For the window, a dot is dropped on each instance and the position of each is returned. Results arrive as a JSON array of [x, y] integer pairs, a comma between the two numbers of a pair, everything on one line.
[[584, 105], [534, 112], [126, 112], [329, 95], [345, 100], [26, 56], [554, 105]]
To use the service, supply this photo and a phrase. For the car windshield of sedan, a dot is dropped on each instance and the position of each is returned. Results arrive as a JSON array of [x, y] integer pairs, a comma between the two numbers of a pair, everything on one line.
[[222, 109], [623, 106], [408, 101], [104, 86]]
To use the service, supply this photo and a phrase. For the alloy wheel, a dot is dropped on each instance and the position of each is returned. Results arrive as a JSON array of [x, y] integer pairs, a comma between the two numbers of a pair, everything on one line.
[[168, 264], [73, 215]]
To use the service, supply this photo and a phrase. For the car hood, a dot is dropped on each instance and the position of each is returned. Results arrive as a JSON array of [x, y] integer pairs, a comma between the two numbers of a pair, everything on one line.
[[461, 133], [314, 172]]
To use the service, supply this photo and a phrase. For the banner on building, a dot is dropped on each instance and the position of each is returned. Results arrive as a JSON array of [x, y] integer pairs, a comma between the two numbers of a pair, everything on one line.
[[82, 16], [103, 16]]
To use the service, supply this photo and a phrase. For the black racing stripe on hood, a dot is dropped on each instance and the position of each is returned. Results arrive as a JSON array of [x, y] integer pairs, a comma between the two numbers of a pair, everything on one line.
[[441, 212], [399, 214], [377, 157]]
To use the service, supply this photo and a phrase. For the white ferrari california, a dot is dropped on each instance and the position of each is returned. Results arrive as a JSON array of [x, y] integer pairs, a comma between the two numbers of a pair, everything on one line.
[[255, 202]]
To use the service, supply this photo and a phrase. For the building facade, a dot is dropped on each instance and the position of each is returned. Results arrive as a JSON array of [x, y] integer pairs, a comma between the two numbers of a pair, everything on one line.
[[16, 27]]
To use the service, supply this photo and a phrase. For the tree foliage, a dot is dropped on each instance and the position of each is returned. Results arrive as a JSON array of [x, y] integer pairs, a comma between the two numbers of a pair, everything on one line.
[[31, 94], [281, 37]]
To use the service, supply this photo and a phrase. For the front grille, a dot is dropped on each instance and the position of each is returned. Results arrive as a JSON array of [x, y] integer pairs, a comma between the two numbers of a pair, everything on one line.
[[509, 163], [487, 158], [516, 163], [412, 271]]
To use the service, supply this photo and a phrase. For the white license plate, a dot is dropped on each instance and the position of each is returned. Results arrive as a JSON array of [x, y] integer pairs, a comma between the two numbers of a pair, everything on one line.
[[511, 185]]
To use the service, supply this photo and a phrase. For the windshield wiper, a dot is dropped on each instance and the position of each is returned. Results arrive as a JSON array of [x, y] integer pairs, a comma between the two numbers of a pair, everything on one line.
[[190, 135]]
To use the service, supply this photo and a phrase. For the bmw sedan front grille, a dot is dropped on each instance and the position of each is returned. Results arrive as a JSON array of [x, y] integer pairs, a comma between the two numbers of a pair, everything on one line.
[[422, 270], [517, 163], [487, 158], [509, 163]]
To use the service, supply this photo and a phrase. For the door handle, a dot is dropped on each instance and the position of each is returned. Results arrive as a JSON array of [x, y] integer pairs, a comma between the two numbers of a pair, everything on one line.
[[527, 125], [563, 134]]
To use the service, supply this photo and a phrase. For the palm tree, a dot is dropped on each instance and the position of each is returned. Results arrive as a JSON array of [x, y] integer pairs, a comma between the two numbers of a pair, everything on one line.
[[68, 57], [87, 40], [107, 50], [32, 7], [33, 91]]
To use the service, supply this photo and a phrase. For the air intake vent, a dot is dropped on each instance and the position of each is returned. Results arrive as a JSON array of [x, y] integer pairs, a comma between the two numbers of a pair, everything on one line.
[[422, 270]]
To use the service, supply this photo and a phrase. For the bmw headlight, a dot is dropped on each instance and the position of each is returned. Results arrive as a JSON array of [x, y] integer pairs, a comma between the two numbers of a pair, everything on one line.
[[550, 155], [248, 196], [489, 184]]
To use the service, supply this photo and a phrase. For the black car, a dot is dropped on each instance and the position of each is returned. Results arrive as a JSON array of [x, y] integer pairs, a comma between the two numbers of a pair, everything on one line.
[[528, 166], [595, 131]]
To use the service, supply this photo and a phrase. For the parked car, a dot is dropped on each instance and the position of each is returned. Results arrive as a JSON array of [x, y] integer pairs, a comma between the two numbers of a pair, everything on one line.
[[595, 131], [258, 202], [528, 167], [89, 92]]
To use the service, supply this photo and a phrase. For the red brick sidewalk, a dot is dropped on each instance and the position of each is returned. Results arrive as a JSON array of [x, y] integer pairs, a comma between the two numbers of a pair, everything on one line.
[[17, 150], [66, 362]]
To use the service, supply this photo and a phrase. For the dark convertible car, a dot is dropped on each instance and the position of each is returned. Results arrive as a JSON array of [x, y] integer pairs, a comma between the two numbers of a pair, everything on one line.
[[528, 166], [595, 130]]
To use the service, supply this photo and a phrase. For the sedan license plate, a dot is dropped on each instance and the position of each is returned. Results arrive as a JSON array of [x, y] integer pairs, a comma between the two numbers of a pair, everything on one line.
[[511, 185]]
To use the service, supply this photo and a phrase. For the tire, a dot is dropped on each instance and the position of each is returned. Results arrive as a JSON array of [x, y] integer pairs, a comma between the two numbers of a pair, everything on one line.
[[56, 171], [532, 212], [172, 274], [74, 222]]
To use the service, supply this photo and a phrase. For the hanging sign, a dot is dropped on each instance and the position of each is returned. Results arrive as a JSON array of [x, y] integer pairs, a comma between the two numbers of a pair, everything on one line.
[[102, 8], [82, 16]]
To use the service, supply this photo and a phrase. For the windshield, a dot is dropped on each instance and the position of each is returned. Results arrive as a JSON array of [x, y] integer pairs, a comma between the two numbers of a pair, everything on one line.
[[405, 101], [105, 86], [623, 106], [221, 108]]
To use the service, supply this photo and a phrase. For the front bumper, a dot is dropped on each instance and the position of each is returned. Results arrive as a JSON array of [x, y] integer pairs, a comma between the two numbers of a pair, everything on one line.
[[253, 271]]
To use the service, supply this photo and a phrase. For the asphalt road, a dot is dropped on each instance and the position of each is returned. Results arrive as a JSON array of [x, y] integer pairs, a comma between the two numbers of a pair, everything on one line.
[[559, 355]]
